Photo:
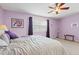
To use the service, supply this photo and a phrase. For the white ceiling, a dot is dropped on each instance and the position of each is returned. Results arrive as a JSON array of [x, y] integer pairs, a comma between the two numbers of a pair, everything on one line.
[[40, 9]]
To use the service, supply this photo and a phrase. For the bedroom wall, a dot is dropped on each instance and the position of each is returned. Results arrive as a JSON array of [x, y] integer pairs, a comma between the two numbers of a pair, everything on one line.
[[53, 28], [65, 26], [24, 31], [7, 21], [1, 16]]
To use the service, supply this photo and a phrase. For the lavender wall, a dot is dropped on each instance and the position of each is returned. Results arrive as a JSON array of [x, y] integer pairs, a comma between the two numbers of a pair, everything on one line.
[[1, 16], [7, 21], [24, 31], [60, 27], [65, 26], [53, 28]]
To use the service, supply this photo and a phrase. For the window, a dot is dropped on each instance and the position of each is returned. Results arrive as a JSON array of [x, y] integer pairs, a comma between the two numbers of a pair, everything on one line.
[[39, 26]]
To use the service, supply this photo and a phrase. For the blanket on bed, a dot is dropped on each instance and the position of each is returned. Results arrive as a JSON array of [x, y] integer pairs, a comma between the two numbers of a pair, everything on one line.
[[33, 45]]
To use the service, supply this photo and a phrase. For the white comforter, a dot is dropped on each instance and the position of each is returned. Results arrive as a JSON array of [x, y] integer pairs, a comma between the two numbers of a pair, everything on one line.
[[33, 45]]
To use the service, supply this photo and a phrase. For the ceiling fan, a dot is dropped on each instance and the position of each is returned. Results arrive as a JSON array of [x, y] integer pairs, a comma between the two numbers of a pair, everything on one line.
[[58, 8]]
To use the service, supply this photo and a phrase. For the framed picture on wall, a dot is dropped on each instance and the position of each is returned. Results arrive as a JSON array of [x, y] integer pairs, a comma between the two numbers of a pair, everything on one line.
[[17, 23]]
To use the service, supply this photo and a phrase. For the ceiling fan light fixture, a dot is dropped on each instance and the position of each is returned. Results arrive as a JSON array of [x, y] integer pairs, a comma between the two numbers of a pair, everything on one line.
[[59, 7], [57, 10]]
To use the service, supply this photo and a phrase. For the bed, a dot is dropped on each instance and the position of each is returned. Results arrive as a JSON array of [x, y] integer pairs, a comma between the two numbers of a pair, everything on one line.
[[33, 45]]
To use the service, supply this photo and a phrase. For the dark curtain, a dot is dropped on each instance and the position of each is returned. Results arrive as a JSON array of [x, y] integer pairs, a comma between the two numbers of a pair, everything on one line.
[[48, 30], [30, 29]]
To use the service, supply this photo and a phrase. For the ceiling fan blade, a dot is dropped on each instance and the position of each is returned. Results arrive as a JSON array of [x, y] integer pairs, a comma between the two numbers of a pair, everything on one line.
[[56, 4], [57, 12], [51, 7], [65, 8], [61, 4], [50, 11]]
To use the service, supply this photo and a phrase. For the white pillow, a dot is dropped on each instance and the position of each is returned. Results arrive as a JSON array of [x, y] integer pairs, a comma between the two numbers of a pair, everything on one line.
[[5, 37], [3, 43]]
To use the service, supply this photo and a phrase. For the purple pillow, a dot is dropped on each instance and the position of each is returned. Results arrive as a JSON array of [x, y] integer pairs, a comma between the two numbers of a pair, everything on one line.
[[11, 34]]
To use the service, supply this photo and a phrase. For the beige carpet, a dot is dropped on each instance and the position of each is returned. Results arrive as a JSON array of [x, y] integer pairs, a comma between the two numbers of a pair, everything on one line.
[[72, 48]]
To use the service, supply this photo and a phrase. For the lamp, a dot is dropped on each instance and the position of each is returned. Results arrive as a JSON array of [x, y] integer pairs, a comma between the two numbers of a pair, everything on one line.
[[3, 27]]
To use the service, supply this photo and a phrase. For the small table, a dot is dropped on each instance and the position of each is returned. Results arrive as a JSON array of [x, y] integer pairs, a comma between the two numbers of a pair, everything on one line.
[[69, 36]]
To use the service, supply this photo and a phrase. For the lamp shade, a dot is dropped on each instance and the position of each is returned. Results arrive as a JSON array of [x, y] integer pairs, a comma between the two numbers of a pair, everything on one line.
[[3, 27]]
